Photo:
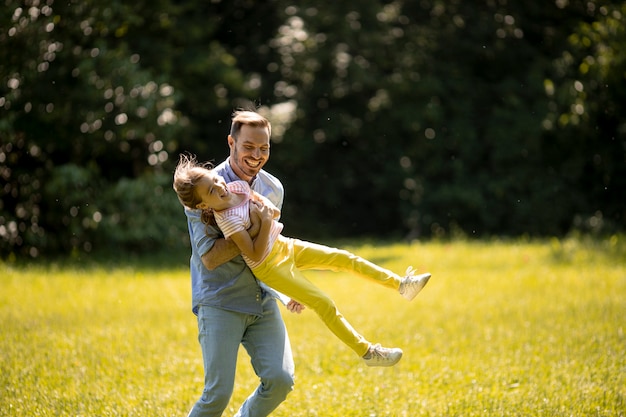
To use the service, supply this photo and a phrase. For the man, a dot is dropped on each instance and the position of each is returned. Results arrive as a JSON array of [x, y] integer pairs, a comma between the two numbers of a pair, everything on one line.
[[231, 305]]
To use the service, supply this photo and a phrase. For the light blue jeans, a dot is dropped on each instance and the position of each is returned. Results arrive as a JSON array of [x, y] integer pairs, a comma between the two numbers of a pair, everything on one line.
[[265, 339]]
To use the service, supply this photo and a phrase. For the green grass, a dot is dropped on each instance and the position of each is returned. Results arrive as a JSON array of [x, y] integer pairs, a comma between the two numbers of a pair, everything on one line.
[[524, 328]]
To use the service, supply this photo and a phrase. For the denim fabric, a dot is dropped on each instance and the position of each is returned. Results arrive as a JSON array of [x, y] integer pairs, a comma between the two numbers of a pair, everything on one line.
[[265, 339]]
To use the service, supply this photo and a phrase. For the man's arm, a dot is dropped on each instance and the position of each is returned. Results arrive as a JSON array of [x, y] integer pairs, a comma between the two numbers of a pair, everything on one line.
[[224, 250]]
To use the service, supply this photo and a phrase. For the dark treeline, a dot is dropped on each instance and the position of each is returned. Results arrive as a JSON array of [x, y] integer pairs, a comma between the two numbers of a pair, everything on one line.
[[392, 119]]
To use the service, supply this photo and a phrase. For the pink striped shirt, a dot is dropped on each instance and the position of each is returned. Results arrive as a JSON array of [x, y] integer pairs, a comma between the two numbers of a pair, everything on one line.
[[237, 218]]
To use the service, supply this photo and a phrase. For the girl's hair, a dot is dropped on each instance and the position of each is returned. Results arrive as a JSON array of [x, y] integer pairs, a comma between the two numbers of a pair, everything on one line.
[[186, 177]]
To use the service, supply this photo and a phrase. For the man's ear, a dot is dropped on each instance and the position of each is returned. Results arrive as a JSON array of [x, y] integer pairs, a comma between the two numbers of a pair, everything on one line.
[[231, 142]]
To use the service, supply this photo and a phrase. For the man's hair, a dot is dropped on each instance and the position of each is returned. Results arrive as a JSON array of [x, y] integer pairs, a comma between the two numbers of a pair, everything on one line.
[[250, 118]]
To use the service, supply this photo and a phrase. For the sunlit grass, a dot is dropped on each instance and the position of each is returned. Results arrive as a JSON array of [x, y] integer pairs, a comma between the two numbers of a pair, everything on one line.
[[503, 328]]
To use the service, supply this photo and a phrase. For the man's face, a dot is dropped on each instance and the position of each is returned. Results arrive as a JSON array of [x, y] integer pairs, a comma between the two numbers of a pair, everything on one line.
[[249, 152]]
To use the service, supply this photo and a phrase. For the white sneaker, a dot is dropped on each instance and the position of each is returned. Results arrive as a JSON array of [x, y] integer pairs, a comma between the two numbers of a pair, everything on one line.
[[412, 284], [382, 356]]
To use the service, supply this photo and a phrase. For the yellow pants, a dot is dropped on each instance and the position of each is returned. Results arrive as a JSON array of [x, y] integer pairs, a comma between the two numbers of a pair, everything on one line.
[[281, 271]]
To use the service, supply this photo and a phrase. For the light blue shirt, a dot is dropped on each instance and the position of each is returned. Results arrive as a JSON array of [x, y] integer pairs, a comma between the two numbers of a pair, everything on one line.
[[230, 286]]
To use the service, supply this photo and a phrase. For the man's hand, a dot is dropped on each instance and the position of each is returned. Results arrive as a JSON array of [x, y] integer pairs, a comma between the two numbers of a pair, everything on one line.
[[294, 306], [265, 212], [263, 201], [258, 215]]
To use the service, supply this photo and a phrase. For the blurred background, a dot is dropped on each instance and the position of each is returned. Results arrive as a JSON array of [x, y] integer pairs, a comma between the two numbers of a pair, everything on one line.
[[391, 119]]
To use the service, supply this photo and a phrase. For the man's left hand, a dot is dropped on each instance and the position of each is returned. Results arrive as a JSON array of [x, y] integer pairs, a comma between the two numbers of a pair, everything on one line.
[[294, 306]]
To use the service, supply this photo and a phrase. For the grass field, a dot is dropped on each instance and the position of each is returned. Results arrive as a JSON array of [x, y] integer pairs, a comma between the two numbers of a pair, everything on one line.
[[525, 328]]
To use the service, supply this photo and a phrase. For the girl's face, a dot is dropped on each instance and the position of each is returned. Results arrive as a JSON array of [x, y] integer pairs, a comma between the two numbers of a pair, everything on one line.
[[213, 192]]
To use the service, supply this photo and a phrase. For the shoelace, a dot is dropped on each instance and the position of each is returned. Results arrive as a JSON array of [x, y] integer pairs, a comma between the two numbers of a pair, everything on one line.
[[409, 272], [378, 352]]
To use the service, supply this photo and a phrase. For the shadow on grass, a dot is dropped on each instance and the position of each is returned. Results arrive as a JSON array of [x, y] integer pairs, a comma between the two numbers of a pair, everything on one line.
[[572, 248], [109, 260], [562, 250]]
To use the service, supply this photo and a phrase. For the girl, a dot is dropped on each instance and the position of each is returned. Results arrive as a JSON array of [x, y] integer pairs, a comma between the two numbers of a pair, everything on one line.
[[278, 261]]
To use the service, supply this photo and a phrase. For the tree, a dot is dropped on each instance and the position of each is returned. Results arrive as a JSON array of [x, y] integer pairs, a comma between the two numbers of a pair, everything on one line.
[[425, 117], [79, 114], [391, 117], [585, 125]]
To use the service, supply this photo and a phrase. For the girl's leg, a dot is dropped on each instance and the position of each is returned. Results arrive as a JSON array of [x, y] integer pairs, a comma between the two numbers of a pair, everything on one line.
[[280, 273], [310, 255]]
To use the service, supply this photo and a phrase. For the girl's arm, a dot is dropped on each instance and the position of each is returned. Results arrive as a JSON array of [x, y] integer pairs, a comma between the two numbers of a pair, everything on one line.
[[255, 248]]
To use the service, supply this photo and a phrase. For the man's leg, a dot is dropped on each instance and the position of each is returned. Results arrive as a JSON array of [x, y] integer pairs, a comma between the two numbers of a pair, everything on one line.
[[219, 332], [267, 343]]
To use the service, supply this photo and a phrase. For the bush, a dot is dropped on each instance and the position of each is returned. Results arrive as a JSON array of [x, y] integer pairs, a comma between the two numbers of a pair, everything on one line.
[[142, 215]]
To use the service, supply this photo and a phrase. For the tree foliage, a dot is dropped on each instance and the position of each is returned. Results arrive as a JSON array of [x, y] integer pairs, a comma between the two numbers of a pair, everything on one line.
[[448, 103], [391, 118]]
